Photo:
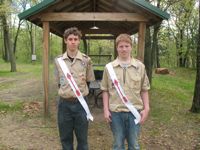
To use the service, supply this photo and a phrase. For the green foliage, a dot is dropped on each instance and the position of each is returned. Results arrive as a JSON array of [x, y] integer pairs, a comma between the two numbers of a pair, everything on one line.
[[23, 53], [4, 107], [5, 7], [55, 47], [99, 47], [183, 31], [167, 49]]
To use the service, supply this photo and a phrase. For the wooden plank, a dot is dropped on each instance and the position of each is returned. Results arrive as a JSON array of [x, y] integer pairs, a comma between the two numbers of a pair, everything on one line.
[[141, 41], [46, 66], [93, 17]]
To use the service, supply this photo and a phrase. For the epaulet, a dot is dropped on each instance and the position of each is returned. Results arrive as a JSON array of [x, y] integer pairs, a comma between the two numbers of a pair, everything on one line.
[[84, 55], [59, 56], [138, 60]]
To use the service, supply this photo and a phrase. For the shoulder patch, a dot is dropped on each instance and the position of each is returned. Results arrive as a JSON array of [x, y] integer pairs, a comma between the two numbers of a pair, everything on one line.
[[86, 59]]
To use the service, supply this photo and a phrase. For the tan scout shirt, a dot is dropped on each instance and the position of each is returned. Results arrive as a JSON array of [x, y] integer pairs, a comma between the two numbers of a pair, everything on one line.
[[133, 80], [82, 72]]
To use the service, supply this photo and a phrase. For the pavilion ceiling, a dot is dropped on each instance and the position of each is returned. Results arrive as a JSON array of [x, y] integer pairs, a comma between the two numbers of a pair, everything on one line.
[[112, 24]]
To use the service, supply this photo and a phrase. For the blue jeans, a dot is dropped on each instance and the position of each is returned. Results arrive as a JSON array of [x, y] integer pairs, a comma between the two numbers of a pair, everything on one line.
[[123, 127], [72, 119]]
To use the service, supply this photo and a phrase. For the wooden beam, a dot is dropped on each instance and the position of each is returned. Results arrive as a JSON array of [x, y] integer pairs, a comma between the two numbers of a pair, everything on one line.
[[93, 17], [100, 37], [141, 41], [103, 31], [46, 66]]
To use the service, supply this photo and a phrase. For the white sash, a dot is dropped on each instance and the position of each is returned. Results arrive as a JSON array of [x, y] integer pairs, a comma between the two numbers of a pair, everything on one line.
[[121, 93], [74, 87]]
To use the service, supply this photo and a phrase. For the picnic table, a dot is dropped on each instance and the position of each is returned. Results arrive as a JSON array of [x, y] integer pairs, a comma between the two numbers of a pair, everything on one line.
[[95, 86]]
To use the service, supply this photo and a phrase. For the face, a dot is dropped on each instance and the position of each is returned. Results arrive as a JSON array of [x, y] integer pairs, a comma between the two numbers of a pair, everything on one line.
[[124, 50], [72, 42]]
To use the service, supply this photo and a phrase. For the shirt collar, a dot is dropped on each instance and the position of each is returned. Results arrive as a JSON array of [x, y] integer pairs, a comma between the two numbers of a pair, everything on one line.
[[133, 63], [78, 55]]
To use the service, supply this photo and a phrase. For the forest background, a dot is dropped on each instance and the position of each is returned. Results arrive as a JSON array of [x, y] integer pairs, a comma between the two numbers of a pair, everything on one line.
[[173, 43]]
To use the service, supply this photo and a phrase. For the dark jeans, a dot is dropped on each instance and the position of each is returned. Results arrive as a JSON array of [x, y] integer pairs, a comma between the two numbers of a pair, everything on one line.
[[72, 119]]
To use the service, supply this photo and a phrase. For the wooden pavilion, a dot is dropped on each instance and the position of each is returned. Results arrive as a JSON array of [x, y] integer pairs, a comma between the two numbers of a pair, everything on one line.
[[110, 16]]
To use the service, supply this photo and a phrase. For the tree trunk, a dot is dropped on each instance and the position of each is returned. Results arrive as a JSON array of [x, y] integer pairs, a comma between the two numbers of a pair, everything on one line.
[[157, 55], [85, 45], [5, 39], [8, 44], [2, 45], [181, 59], [16, 36], [148, 60], [196, 99], [30, 31], [155, 49]]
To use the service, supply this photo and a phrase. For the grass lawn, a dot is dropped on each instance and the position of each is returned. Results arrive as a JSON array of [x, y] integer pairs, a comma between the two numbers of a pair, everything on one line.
[[171, 124]]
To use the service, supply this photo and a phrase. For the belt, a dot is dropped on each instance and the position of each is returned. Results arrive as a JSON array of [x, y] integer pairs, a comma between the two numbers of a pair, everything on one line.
[[72, 100]]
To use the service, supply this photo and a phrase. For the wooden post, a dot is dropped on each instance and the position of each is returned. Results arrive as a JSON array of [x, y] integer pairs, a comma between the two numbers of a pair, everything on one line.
[[141, 41], [46, 66]]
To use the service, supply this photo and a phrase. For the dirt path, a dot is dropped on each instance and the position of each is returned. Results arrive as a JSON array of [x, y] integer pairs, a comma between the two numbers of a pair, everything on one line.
[[20, 89], [29, 130]]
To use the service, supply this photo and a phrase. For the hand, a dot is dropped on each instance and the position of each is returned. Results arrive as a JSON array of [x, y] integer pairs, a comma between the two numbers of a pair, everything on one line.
[[107, 116], [144, 114]]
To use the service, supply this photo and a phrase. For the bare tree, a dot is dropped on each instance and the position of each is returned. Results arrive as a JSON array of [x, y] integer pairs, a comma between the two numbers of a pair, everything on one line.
[[7, 40]]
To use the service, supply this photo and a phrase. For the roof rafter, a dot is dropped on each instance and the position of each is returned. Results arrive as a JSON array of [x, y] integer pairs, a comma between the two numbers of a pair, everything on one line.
[[93, 17]]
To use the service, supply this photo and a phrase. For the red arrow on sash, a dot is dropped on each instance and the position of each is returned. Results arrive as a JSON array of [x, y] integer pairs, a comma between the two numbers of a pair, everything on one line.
[[124, 98], [77, 91]]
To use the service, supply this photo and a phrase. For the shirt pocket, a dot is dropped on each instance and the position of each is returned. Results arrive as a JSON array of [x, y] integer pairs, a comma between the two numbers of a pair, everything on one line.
[[63, 81], [135, 82], [111, 84], [64, 86], [81, 79]]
